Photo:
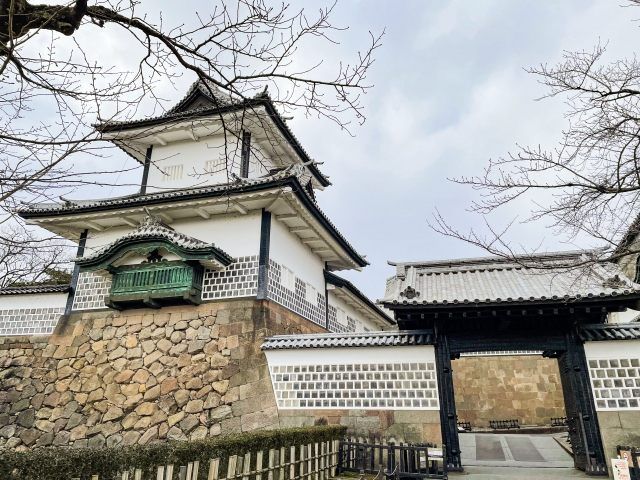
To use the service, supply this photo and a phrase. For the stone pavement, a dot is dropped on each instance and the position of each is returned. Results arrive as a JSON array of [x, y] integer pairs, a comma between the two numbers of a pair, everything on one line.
[[514, 456], [513, 450], [513, 473]]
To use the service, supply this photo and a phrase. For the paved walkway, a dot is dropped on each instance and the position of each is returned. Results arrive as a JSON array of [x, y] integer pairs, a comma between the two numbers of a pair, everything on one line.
[[515, 473], [513, 450]]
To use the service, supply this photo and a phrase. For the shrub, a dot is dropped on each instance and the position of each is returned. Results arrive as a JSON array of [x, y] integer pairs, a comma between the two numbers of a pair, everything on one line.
[[63, 463]]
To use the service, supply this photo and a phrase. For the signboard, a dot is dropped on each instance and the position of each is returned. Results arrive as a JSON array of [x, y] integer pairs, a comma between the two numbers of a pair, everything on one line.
[[620, 468]]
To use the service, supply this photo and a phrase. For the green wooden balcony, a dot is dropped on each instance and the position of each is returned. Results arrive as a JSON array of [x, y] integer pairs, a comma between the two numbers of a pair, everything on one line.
[[155, 284]]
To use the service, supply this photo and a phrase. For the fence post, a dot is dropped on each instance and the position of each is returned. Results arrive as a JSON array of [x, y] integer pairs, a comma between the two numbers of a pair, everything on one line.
[[292, 463], [316, 462], [246, 466], [271, 463], [281, 462], [214, 465], [322, 462], [258, 466], [231, 468], [301, 463]]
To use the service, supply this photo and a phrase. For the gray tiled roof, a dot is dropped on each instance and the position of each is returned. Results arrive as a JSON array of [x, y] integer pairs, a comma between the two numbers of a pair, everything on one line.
[[335, 340], [151, 227], [288, 176], [610, 331], [72, 206], [630, 235], [219, 102], [34, 289], [497, 280], [208, 89], [218, 99]]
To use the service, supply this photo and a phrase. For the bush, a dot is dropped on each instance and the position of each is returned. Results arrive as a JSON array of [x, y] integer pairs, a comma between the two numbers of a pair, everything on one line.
[[63, 463]]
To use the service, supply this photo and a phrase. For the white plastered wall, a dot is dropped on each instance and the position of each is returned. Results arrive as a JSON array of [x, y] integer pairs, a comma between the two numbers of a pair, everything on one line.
[[379, 378], [202, 162], [362, 322], [286, 249], [237, 235], [39, 300]]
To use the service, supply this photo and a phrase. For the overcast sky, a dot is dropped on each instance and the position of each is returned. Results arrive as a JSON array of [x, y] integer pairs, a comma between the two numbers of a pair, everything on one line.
[[450, 93]]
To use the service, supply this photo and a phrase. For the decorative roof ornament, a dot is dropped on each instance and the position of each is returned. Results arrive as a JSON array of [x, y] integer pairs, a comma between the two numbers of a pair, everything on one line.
[[615, 282], [150, 220], [409, 293]]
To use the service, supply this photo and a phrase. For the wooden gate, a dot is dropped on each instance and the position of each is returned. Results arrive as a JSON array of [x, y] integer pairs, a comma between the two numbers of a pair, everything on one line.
[[405, 460]]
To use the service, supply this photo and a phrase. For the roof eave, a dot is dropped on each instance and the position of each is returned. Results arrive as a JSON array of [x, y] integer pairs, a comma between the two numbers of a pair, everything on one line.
[[158, 199], [35, 290], [208, 253], [526, 303], [340, 282]]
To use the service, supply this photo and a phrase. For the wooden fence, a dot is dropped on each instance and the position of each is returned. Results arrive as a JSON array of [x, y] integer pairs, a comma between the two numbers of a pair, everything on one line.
[[391, 460], [313, 461]]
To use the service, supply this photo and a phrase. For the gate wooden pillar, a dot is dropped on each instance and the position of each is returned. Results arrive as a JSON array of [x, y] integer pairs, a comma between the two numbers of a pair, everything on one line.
[[448, 417], [581, 412]]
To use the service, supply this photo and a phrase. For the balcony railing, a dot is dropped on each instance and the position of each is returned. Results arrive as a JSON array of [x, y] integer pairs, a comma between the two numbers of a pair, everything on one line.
[[155, 284]]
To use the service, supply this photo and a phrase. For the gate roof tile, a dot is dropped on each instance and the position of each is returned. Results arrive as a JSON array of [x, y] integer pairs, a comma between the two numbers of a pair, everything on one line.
[[615, 331], [337, 340], [562, 276]]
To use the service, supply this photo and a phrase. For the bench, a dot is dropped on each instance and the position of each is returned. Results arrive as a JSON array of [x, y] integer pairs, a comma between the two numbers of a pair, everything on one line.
[[465, 426], [558, 421], [504, 424]]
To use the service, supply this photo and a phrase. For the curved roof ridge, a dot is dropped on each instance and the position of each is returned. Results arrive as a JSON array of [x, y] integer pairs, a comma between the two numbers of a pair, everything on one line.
[[495, 260], [35, 289], [352, 339], [153, 228]]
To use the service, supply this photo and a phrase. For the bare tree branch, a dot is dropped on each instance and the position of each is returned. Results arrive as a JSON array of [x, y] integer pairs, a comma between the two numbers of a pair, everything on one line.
[[56, 84], [586, 187]]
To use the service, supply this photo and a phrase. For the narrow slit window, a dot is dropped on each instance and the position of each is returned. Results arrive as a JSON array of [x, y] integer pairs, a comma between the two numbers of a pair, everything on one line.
[[172, 172]]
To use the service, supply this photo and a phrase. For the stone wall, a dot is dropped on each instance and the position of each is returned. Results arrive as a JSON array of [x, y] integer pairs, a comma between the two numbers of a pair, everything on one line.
[[526, 387], [405, 425], [109, 378]]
